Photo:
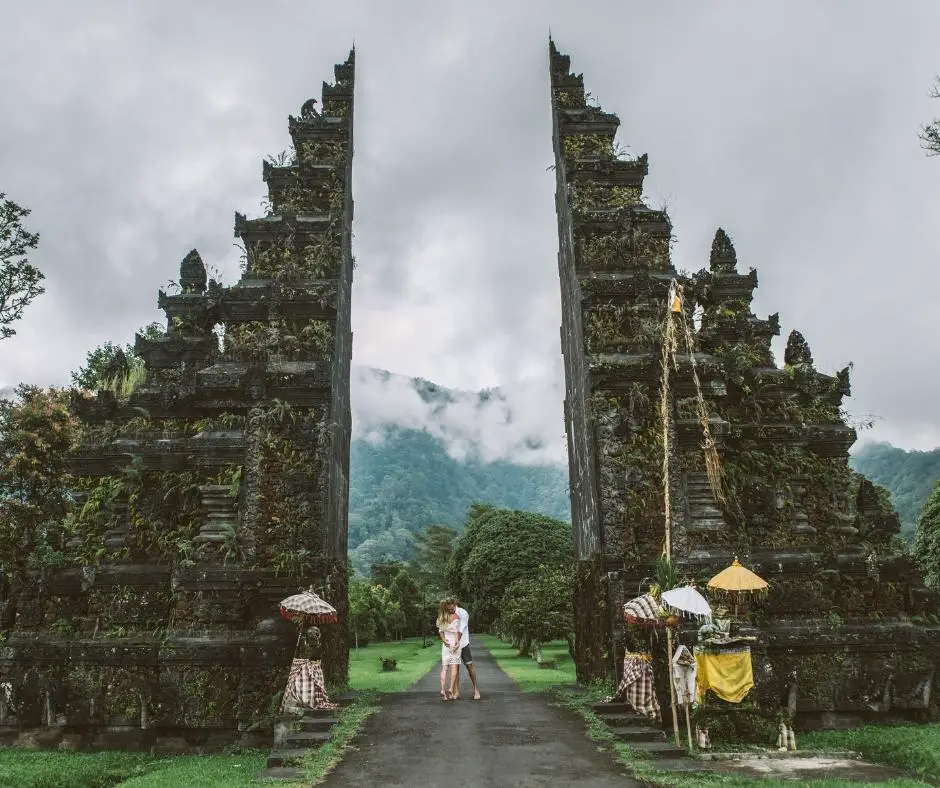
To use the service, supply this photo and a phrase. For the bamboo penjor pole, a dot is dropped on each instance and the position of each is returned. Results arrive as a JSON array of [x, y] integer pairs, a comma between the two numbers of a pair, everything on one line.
[[668, 354]]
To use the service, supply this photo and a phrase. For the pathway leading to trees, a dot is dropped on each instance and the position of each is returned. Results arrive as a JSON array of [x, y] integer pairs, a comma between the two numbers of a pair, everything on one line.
[[509, 739]]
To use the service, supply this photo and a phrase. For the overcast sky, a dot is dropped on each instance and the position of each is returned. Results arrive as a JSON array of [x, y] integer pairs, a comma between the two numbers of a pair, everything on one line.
[[135, 130]]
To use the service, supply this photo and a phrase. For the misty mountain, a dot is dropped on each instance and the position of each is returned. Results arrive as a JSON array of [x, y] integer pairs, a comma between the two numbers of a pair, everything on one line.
[[428, 463]]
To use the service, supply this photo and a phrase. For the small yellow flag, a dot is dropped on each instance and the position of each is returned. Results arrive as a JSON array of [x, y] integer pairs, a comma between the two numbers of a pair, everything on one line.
[[675, 297]]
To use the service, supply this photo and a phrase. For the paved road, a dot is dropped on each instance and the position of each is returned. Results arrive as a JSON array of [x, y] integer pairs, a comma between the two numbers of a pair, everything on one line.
[[508, 739]]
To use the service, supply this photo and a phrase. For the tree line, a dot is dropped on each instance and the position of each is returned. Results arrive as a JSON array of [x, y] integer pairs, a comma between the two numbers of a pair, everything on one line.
[[511, 570]]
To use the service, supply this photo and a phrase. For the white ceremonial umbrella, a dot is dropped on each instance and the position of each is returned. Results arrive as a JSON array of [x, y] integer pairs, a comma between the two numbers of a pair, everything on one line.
[[687, 601]]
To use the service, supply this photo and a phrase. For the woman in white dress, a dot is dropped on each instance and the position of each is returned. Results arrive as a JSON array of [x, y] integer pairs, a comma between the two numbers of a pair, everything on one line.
[[448, 625]]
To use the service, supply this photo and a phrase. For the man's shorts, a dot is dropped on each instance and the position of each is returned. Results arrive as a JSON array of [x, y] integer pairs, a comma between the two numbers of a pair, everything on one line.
[[465, 655]]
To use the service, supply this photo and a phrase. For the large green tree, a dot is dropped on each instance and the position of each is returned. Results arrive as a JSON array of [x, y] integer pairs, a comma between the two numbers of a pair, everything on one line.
[[109, 361], [539, 608], [20, 281], [434, 547], [36, 432], [497, 547], [927, 538]]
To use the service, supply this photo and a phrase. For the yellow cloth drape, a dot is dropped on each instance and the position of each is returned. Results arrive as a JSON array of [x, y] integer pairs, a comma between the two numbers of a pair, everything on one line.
[[730, 676]]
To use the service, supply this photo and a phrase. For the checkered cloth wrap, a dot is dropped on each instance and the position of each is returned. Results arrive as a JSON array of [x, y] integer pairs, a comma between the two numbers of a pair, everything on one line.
[[636, 687], [305, 687]]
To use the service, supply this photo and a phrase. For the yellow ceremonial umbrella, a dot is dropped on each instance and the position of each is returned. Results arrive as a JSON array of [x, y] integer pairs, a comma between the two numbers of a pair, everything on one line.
[[736, 579]]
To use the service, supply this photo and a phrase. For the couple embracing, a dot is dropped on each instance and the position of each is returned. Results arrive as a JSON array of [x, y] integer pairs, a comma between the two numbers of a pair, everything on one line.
[[453, 626]]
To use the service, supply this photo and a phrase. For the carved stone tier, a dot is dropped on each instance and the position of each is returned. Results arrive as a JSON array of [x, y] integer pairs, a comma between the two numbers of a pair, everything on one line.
[[742, 330], [168, 351], [587, 120], [322, 128], [303, 228], [600, 223], [252, 299], [727, 286], [193, 307], [308, 175], [625, 288], [233, 386], [609, 173], [209, 450]]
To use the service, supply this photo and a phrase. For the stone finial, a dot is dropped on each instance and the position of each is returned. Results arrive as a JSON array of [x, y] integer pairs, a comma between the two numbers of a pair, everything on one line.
[[797, 350], [193, 273], [723, 257]]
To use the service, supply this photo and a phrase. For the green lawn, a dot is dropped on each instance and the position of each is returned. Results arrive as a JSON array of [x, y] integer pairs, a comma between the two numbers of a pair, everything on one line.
[[913, 748], [365, 665], [644, 768], [525, 670], [52, 769]]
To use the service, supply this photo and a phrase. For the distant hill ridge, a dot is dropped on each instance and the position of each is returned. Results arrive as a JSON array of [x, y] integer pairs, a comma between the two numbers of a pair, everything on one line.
[[909, 476]]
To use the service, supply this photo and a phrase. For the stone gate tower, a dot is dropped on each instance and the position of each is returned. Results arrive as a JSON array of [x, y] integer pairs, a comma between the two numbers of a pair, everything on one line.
[[847, 622], [211, 490]]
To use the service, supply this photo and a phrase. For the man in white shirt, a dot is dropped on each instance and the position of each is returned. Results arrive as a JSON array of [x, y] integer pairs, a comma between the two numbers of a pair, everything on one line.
[[465, 655]]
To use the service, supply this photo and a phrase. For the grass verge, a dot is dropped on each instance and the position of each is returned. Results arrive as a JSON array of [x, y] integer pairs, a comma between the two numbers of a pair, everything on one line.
[[54, 769], [414, 661], [525, 670], [913, 748], [643, 767]]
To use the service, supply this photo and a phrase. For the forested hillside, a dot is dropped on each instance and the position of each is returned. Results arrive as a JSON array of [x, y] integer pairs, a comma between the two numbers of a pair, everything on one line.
[[408, 481], [909, 476]]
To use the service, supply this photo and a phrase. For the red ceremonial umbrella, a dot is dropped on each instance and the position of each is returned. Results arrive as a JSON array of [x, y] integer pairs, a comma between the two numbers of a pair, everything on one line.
[[308, 609]]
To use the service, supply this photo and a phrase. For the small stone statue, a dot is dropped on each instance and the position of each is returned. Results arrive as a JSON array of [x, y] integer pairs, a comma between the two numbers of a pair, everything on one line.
[[308, 110], [310, 645]]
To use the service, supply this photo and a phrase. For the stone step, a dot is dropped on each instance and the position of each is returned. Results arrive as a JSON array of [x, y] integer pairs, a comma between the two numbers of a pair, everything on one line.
[[311, 724], [618, 720], [704, 509], [706, 528], [659, 749], [636, 733], [287, 757], [708, 522], [619, 708], [308, 739], [292, 773], [684, 765]]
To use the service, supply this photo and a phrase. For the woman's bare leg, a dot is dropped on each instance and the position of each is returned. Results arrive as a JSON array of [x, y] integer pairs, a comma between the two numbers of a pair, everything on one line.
[[453, 681], [443, 677]]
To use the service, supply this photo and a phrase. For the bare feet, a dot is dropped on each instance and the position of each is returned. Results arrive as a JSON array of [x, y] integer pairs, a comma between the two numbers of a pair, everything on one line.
[[476, 695]]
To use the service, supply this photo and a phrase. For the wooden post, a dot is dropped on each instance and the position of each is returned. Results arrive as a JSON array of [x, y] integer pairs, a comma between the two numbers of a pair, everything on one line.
[[688, 726], [672, 687]]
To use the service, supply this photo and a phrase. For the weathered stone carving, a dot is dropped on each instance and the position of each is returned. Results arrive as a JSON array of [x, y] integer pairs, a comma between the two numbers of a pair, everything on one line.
[[209, 493]]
